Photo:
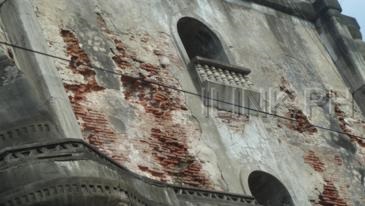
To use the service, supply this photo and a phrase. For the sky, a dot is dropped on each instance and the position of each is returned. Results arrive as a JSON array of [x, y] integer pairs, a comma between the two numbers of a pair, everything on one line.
[[355, 8]]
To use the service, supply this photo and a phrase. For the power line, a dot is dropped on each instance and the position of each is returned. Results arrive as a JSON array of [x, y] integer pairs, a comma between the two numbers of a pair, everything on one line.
[[142, 79], [174, 88]]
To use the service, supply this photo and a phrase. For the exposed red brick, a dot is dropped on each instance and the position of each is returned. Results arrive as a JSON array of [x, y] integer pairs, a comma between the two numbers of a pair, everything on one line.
[[153, 172], [167, 140], [79, 90], [313, 160], [338, 160], [345, 127], [170, 150], [285, 87], [301, 123], [122, 58], [156, 100], [94, 124], [153, 70], [330, 195], [80, 64]]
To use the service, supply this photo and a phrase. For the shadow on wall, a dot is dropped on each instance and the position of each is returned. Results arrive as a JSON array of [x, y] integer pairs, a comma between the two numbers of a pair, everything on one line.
[[199, 40], [268, 190]]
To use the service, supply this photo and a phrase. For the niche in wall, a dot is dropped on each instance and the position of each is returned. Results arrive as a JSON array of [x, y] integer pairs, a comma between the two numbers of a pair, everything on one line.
[[268, 190], [199, 40]]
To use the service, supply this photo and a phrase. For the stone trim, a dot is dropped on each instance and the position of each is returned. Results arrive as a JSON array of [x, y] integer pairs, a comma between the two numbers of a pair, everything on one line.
[[75, 150]]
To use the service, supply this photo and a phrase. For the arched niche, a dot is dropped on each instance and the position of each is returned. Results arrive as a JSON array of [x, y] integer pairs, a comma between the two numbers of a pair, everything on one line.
[[199, 40], [268, 190]]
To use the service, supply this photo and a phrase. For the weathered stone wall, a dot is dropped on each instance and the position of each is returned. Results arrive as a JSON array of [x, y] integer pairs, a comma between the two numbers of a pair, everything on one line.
[[169, 136]]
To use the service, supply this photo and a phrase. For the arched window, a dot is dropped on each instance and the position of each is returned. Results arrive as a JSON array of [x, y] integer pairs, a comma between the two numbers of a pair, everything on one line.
[[268, 190], [199, 40]]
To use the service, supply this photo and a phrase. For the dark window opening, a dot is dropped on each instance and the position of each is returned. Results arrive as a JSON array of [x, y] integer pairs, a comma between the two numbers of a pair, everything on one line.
[[268, 190], [199, 40]]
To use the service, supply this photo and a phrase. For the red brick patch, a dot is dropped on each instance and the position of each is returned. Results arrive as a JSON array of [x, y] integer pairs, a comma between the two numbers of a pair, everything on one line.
[[301, 123], [345, 127], [338, 160], [312, 159], [330, 196], [167, 140], [94, 124]]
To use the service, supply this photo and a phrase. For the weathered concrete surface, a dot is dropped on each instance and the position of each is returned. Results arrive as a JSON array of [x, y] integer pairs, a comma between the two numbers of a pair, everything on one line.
[[167, 135], [38, 69], [19, 104]]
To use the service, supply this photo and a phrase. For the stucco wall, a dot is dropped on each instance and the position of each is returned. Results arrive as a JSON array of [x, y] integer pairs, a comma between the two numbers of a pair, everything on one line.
[[168, 135]]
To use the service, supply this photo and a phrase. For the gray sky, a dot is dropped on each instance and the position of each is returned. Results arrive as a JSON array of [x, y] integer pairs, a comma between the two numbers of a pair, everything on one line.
[[355, 8]]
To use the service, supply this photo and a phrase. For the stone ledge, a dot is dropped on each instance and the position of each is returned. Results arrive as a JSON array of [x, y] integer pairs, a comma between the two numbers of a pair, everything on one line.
[[69, 191], [233, 68], [224, 86], [28, 133], [322, 6], [351, 24], [101, 174], [302, 10]]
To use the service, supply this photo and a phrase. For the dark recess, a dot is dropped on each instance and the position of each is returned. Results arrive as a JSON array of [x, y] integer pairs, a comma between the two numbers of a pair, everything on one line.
[[199, 40], [268, 190]]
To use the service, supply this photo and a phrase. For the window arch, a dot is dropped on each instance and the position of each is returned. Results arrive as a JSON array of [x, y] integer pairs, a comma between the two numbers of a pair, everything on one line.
[[199, 40], [268, 190]]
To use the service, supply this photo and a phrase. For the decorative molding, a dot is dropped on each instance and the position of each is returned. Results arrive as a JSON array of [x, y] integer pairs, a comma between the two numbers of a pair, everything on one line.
[[224, 86], [25, 131], [71, 187], [189, 192], [73, 150]]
